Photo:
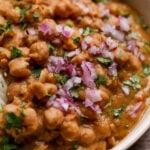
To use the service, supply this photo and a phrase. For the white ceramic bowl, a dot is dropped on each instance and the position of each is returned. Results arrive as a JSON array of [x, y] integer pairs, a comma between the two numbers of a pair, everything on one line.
[[143, 6]]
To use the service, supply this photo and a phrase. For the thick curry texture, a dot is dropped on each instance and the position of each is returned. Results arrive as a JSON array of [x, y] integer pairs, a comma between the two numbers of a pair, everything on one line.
[[77, 73]]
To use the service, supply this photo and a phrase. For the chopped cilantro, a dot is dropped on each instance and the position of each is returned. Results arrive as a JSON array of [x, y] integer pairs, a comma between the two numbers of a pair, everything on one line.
[[106, 61], [36, 72], [24, 26], [23, 12], [23, 112], [138, 19], [49, 95], [101, 80], [74, 93], [36, 16], [51, 49], [9, 23], [146, 68], [147, 46], [99, 1], [62, 79], [74, 146], [1, 108], [134, 82], [15, 52], [76, 40], [134, 35], [7, 143], [23, 104], [89, 30], [13, 121], [117, 113], [126, 14], [144, 26]]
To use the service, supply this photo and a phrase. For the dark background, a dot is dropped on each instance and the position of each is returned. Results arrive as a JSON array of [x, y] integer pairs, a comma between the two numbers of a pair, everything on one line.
[[143, 143]]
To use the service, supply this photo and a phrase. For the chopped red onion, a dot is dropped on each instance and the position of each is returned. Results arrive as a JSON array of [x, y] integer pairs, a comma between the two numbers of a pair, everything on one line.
[[126, 90], [142, 57], [112, 70], [107, 28], [93, 95], [59, 28], [57, 64], [94, 50], [89, 74], [105, 13], [133, 112], [56, 41], [73, 53], [71, 70], [107, 54], [67, 31], [112, 44], [86, 42], [64, 92], [111, 30], [74, 81], [30, 31], [118, 35], [45, 28], [97, 109], [124, 24]]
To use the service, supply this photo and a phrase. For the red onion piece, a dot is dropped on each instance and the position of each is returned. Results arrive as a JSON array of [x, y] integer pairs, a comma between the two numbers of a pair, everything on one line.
[[112, 44], [67, 31], [45, 28], [105, 13], [124, 24], [133, 112], [93, 95], [57, 64], [30, 31], [74, 81], [118, 35], [112, 70], [86, 42], [73, 53], [126, 90], [89, 74], [107, 28], [71, 70]]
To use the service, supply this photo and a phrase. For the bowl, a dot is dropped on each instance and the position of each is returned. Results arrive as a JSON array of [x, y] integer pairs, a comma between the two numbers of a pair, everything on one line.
[[142, 6]]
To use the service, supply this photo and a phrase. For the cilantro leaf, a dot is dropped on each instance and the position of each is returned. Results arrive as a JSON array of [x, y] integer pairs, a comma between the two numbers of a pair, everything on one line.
[[7, 143], [36, 72], [36, 16], [62, 79], [74, 93], [146, 69], [117, 112], [74, 146], [15, 52], [101, 80], [13, 121], [76, 40], [134, 82], [89, 30], [51, 49], [106, 61], [99, 1]]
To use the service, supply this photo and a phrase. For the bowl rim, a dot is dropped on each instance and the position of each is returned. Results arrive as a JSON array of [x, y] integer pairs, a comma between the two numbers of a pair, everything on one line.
[[141, 127]]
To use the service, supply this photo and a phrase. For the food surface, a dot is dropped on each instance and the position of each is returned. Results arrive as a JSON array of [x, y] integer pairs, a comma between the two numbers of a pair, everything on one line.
[[75, 74]]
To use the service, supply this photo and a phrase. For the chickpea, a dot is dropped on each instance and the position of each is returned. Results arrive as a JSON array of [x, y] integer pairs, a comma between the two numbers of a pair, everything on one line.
[[87, 136], [70, 131], [39, 52], [19, 67], [19, 90], [4, 57], [53, 118]]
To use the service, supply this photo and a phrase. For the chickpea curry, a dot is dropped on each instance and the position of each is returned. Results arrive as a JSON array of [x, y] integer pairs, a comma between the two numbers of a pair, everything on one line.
[[77, 73]]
